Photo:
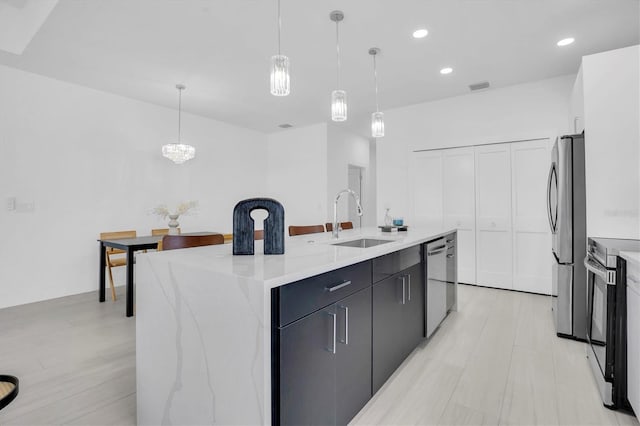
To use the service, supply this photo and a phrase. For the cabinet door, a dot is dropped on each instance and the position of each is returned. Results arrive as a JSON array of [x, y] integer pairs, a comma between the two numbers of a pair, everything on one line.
[[425, 177], [633, 346], [353, 355], [388, 318], [459, 207], [531, 237], [307, 369], [414, 314], [493, 218]]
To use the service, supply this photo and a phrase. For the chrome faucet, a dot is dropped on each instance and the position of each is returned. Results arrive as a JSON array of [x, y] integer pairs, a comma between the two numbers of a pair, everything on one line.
[[336, 226]]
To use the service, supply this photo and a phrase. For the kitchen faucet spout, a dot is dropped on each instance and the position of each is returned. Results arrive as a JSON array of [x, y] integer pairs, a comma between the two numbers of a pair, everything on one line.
[[336, 226]]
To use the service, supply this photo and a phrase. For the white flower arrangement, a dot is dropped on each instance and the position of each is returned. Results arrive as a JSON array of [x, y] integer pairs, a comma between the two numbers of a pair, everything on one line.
[[182, 209]]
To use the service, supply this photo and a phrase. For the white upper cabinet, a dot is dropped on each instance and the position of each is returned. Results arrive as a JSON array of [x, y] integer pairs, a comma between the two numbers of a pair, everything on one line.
[[531, 236], [459, 207], [493, 216]]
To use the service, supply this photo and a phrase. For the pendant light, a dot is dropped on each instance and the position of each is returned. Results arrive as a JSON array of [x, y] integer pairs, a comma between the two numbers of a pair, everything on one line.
[[377, 118], [280, 84], [179, 152], [338, 97]]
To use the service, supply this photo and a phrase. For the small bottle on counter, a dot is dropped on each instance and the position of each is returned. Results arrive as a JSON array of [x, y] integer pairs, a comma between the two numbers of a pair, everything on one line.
[[388, 220]]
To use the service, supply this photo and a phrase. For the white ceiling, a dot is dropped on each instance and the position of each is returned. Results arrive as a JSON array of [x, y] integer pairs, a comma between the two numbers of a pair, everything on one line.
[[221, 48]]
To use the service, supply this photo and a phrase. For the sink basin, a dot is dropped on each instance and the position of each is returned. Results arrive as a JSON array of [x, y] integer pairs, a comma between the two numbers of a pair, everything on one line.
[[362, 243]]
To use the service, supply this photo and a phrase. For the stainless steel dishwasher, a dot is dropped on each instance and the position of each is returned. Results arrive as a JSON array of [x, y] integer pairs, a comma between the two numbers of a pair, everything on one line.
[[436, 284]]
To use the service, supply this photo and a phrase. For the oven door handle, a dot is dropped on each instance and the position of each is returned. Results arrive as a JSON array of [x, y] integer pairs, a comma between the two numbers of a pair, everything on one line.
[[609, 277]]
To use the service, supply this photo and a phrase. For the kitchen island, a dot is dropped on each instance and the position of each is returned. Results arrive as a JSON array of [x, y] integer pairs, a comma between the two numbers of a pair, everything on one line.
[[206, 320]]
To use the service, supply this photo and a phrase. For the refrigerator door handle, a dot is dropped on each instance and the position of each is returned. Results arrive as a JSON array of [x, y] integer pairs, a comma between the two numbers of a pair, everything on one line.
[[549, 180]]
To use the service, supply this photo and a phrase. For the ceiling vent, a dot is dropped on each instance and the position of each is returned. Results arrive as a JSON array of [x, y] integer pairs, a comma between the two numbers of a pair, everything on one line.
[[479, 86], [285, 126]]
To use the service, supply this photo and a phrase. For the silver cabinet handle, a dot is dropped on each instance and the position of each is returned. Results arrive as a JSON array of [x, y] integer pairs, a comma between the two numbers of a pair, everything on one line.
[[449, 241], [404, 290], [436, 251], [337, 286], [333, 348], [450, 256], [346, 325], [409, 286]]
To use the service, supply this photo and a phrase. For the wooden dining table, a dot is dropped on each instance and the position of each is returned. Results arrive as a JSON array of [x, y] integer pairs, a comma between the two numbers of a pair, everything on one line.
[[130, 246]]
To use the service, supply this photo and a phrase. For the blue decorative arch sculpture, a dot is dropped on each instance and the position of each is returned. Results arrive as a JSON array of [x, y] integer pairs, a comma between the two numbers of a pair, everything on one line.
[[243, 226]]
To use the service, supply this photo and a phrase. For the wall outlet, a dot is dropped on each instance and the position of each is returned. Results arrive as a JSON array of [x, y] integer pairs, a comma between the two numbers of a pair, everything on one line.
[[11, 203]]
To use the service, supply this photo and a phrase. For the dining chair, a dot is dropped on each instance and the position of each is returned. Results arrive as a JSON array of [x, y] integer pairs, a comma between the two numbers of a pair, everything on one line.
[[343, 225], [8, 389], [302, 230], [115, 257], [171, 242]]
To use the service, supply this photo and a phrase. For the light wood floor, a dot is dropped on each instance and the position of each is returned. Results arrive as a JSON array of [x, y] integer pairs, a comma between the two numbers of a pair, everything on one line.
[[496, 361]]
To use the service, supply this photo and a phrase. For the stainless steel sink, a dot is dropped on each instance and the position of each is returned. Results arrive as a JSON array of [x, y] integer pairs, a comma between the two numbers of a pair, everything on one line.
[[362, 243]]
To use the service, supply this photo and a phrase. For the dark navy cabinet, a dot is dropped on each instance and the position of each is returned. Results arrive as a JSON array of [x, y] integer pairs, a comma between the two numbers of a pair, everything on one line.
[[398, 320], [338, 336]]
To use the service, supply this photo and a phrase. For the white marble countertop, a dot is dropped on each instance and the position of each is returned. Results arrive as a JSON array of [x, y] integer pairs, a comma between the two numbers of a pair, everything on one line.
[[305, 255], [631, 256], [633, 269]]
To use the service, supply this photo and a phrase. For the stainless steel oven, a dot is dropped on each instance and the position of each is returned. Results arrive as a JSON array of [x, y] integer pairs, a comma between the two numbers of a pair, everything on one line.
[[606, 304]]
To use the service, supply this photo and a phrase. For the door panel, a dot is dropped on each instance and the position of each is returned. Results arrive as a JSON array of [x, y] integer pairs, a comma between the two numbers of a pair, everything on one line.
[[307, 370], [531, 235], [459, 209], [426, 187], [353, 357], [493, 218]]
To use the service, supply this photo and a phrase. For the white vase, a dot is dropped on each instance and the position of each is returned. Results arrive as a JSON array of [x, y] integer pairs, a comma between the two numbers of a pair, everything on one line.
[[173, 224]]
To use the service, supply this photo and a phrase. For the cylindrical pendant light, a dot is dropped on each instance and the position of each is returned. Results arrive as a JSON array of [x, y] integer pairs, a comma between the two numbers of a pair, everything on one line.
[[280, 83], [377, 118], [179, 152], [338, 96]]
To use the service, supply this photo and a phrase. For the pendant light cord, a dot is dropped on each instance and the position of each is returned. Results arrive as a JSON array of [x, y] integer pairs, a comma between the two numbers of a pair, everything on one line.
[[375, 80], [337, 57], [279, 27], [179, 112]]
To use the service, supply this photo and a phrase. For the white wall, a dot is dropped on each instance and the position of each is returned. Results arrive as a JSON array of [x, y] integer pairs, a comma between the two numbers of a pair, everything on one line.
[[612, 140], [345, 148], [525, 111], [297, 177], [90, 162]]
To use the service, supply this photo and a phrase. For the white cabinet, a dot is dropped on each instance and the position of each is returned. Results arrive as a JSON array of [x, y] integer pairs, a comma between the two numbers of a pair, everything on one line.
[[633, 337], [531, 238], [576, 115], [459, 207], [493, 216]]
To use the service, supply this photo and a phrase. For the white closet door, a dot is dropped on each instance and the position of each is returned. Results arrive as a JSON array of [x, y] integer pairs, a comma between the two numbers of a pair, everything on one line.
[[459, 207], [493, 216], [531, 236], [426, 189]]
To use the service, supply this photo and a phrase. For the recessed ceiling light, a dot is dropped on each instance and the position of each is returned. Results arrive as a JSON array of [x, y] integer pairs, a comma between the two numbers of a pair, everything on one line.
[[446, 70], [566, 41], [421, 33]]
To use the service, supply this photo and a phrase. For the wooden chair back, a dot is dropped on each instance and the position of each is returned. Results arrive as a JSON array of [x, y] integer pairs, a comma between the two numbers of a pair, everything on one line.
[[302, 230], [171, 242], [162, 231], [115, 236], [343, 225]]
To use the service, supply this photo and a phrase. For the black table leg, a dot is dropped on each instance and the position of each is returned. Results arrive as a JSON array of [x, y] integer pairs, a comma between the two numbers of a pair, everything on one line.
[[103, 264], [130, 282]]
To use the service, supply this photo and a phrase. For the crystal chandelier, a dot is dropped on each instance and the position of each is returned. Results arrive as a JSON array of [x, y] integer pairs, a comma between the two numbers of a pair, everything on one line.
[[179, 152], [338, 97], [280, 84], [377, 118]]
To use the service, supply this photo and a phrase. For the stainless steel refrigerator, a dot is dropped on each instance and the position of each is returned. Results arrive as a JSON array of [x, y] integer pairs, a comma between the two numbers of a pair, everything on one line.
[[567, 218]]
